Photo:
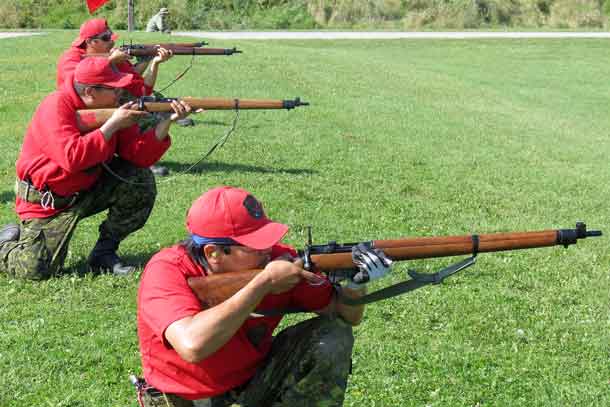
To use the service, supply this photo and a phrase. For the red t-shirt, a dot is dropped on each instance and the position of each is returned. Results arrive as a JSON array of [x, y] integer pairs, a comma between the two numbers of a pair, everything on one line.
[[71, 57], [165, 297], [56, 155]]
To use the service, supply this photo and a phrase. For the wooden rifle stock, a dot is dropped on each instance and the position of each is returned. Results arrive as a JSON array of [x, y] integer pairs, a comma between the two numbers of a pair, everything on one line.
[[430, 247], [216, 288], [90, 119]]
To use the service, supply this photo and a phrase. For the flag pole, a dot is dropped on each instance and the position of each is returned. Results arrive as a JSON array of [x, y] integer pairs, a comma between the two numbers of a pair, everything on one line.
[[130, 16]]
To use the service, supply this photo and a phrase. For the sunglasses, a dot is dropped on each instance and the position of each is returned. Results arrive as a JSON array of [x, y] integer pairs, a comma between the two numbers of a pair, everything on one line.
[[115, 90], [104, 37]]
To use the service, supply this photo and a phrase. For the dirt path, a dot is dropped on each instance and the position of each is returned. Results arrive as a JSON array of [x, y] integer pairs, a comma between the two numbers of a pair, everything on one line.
[[18, 34]]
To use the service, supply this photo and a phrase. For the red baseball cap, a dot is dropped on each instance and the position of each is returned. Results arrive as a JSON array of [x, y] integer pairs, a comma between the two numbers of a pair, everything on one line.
[[100, 71], [227, 212], [91, 28]]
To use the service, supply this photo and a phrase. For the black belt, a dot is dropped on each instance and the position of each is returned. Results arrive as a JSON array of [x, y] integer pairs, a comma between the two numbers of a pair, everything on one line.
[[47, 199]]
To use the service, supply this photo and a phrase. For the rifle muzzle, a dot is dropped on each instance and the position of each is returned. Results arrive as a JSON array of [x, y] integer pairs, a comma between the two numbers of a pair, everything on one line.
[[291, 104], [567, 237]]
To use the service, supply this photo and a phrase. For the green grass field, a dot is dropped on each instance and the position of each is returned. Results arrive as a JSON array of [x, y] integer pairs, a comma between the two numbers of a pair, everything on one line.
[[402, 138]]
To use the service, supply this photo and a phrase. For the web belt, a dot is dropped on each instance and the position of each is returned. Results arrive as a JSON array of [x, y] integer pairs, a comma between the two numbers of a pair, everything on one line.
[[47, 199]]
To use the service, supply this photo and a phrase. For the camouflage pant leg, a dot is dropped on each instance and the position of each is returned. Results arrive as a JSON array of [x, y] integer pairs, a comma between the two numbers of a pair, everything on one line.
[[171, 400], [42, 247], [129, 203], [164, 400], [43, 243], [308, 366]]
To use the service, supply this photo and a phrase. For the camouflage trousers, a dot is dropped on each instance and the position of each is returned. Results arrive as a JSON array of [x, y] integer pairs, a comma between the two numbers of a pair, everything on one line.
[[43, 243], [308, 366]]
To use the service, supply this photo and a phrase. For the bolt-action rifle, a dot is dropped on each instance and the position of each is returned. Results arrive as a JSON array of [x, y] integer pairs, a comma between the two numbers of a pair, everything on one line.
[[337, 258], [139, 50], [90, 119], [172, 44]]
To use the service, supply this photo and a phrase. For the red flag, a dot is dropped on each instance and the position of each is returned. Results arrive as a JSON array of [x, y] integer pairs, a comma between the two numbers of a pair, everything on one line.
[[95, 4]]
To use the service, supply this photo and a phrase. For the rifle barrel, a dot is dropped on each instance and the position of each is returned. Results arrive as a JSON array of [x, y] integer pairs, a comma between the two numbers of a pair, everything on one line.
[[152, 51], [162, 105], [429, 247]]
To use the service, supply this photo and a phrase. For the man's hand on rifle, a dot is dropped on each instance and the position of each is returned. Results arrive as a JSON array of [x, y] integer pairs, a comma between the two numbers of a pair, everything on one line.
[[372, 264], [162, 56], [180, 111], [117, 56], [125, 116], [283, 275]]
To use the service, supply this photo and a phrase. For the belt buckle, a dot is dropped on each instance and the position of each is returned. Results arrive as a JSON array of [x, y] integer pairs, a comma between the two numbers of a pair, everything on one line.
[[20, 185]]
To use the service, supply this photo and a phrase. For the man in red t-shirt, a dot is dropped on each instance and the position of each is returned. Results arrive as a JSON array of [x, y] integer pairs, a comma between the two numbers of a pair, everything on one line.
[[95, 37], [65, 174], [194, 356]]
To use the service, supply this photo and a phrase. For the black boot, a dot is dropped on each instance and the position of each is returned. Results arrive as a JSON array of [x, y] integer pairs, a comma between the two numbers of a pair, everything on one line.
[[9, 233], [103, 259], [159, 170], [186, 122]]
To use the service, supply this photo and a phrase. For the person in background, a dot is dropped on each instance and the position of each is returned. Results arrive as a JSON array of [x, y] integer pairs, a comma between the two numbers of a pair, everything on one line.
[[95, 38], [65, 174], [158, 22]]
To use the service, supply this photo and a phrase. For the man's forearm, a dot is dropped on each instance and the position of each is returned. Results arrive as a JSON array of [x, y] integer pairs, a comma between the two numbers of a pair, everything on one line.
[[211, 329], [162, 129], [352, 314], [150, 78], [141, 67]]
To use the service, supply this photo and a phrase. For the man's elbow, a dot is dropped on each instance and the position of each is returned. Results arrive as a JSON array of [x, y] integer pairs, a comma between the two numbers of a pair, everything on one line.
[[190, 352]]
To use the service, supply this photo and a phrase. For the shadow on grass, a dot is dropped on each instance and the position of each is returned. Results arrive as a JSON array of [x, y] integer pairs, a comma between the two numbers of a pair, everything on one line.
[[174, 167], [7, 196], [81, 268], [202, 123]]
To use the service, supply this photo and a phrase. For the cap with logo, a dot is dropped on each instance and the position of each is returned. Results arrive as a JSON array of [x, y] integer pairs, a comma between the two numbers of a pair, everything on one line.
[[92, 28], [233, 213], [100, 71]]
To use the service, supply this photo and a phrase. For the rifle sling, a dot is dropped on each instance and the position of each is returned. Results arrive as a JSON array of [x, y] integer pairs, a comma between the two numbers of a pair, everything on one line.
[[418, 280]]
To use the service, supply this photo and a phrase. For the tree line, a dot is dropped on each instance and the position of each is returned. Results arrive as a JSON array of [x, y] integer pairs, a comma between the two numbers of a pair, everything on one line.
[[319, 14]]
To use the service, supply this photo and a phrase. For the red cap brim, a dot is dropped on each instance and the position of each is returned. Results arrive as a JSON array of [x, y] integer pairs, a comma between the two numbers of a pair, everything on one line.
[[264, 237], [78, 41]]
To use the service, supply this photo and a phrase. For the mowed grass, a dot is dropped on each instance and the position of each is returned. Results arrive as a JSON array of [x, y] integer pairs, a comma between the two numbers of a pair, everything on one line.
[[402, 138]]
